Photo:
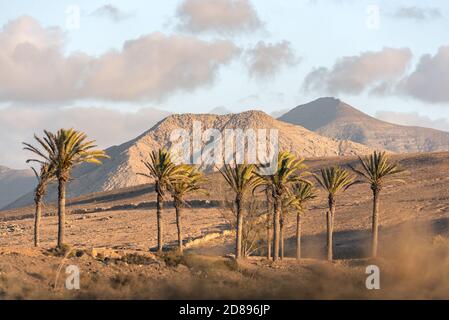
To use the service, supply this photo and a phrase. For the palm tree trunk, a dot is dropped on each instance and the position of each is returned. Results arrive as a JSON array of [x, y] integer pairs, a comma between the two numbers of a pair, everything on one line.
[[276, 228], [37, 221], [298, 235], [61, 212], [330, 227], [178, 208], [375, 230], [239, 228], [268, 236], [281, 234], [159, 205], [269, 210]]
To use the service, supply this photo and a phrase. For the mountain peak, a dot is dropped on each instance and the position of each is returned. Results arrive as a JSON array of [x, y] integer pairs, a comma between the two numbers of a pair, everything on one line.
[[320, 112], [336, 119]]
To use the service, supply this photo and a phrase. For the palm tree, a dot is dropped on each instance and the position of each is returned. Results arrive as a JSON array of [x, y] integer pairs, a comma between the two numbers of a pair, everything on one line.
[[241, 178], [290, 169], [333, 180], [288, 202], [375, 169], [62, 151], [302, 192], [163, 171], [44, 176], [191, 181], [268, 221]]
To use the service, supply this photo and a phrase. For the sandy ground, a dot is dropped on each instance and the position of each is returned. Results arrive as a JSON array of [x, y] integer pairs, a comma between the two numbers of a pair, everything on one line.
[[414, 231], [129, 229]]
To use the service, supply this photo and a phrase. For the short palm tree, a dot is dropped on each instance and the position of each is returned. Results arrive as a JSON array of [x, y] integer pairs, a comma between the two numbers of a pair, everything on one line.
[[44, 177], [163, 171], [242, 179], [302, 193], [375, 169], [191, 181], [288, 203], [333, 180], [290, 170], [62, 151]]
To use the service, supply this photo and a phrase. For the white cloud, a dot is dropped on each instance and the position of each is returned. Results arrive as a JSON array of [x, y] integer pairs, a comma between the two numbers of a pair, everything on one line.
[[266, 60], [429, 82], [221, 16], [34, 68], [355, 74], [413, 119], [108, 127], [418, 14], [112, 12]]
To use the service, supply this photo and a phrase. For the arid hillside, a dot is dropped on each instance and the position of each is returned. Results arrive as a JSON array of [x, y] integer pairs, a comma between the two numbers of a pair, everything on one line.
[[424, 195], [122, 169], [111, 233], [14, 183], [333, 118]]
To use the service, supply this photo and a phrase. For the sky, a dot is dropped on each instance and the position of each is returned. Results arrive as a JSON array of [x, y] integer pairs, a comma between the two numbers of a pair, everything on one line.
[[114, 68]]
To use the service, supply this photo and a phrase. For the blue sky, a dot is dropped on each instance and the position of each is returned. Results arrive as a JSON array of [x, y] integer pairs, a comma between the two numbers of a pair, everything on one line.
[[318, 33]]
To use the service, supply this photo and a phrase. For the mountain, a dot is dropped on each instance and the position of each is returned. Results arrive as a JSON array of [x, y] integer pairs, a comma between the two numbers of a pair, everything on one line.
[[333, 118], [14, 183], [126, 160]]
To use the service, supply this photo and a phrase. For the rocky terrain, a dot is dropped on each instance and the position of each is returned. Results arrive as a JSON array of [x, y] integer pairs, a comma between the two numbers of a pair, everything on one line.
[[333, 118], [110, 234]]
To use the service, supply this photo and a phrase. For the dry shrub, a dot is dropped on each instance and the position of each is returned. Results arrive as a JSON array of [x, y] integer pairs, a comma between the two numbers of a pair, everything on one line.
[[254, 225]]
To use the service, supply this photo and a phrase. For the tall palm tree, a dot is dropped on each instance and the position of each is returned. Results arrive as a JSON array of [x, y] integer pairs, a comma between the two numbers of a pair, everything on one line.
[[44, 177], [62, 151], [269, 219], [290, 169], [163, 171], [241, 178], [191, 181], [333, 180], [302, 193], [375, 169]]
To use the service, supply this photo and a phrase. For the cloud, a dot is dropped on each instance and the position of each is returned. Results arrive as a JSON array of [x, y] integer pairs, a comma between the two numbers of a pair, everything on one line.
[[429, 82], [111, 12], [34, 68], [265, 60], [413, 119], [156, 65], [418, 14], [108, 127], [220, 16], [354, 74], [32, 64]]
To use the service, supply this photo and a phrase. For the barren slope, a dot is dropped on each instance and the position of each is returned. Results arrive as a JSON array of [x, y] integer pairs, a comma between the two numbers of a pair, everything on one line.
[[14, 183], [334, 118], [413, 245]]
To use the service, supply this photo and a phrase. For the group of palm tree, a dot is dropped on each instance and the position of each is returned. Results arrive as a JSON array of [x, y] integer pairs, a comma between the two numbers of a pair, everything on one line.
[[287, 189], [57, 154]]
